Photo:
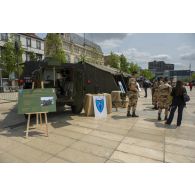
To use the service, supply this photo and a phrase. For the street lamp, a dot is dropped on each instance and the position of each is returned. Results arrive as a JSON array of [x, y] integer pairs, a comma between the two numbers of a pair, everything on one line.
[[17, 51]]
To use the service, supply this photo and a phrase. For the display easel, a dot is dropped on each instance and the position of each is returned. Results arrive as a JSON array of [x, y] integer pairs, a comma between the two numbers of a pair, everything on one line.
[[38, 116]]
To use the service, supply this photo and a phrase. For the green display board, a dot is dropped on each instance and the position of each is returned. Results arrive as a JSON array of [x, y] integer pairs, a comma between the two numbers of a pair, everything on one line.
[[36, 100]]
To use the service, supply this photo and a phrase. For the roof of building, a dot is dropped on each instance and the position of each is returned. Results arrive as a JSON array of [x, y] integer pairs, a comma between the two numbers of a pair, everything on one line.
[[32, 35], [75, 38]]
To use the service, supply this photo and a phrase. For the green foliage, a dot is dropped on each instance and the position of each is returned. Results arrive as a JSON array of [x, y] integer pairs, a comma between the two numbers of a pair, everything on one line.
[[33, 56], [11, 57], [82, 58], [114, 60], [133, 67], [147, 74], [124, 64], [193, 76], [54, 47]]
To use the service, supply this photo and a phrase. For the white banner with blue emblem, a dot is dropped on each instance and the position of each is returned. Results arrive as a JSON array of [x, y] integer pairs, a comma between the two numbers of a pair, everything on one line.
[[100, 108]]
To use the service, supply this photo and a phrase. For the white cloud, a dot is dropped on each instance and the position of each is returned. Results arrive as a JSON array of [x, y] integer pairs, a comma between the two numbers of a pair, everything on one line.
[[188, 56], [110, 44], [101, 37], [144, 57], [161, 57], [185, 48]]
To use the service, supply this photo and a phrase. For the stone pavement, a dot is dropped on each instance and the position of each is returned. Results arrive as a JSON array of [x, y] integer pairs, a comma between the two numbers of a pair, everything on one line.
[[85, 139]]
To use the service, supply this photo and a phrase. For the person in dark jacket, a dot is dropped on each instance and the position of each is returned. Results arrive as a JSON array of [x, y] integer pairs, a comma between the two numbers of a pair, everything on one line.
[[177, 102], [145, 86]]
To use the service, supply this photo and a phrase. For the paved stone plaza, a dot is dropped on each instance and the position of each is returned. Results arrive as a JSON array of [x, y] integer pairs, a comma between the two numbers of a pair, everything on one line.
[[85, 139]]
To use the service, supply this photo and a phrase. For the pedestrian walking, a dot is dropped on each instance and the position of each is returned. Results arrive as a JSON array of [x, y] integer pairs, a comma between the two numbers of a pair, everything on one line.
[[178, 102], [146, 85], [190, 85], [133, 95], [164, 92]]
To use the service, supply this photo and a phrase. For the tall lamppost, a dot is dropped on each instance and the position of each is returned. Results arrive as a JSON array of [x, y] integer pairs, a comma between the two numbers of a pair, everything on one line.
[[17, 51]]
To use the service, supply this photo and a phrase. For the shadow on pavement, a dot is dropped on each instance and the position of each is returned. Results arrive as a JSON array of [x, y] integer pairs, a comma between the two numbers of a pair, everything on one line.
[[119, 117], [161, 124], [14, 125]]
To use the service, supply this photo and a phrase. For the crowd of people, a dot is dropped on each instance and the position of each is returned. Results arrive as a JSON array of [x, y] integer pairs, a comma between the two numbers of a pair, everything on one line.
[[166, 95]]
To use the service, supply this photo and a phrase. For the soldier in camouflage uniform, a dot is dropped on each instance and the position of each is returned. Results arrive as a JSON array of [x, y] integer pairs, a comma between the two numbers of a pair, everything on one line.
[[164, 92], [155, 93], [133, 96]]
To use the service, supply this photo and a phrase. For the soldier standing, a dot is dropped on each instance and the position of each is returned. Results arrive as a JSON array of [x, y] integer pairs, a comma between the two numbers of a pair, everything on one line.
[[155, 94], [164, 92], [133, 95]]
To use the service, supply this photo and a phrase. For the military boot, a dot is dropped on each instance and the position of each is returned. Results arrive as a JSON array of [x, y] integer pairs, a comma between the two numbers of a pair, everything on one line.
[[134, 115], [159, 116], [128, 114]]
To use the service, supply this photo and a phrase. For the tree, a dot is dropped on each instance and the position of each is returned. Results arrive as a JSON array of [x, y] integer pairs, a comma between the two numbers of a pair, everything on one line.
[[124, 64], [147, 74], [133, 67], [33, 56], [114, 60], [12, 57], [54, 47]]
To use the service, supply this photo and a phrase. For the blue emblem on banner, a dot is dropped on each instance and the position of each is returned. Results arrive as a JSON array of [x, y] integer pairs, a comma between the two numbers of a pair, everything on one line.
[[100, 105]]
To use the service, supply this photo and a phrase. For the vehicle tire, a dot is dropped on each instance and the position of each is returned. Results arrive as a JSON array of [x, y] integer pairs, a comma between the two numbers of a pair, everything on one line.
[[77, 109]]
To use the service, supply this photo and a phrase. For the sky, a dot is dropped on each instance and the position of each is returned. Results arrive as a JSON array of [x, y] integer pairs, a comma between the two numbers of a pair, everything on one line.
[[176, 48]]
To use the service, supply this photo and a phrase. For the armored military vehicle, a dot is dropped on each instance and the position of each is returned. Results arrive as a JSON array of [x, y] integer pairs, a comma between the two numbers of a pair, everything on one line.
[[73, 81]]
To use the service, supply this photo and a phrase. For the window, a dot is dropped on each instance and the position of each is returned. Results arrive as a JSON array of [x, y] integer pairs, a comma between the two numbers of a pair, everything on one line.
[[27, 56], [68, 58], [4, 36], [28, 42], [76, 49], [39, 57], [38, 44]]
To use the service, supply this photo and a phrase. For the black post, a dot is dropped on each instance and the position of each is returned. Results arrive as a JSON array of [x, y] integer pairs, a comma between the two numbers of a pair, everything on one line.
[[17, 60]]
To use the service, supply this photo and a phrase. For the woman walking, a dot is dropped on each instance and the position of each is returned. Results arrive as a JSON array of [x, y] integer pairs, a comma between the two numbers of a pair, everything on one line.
[[177, 102]]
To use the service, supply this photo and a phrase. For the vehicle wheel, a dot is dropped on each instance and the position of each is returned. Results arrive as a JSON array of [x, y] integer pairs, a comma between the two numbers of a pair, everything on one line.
[[77, 109]]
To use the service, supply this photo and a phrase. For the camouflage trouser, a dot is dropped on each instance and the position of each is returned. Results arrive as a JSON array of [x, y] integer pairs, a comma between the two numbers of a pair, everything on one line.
[[155, 98], [133, 97], [163, 103]]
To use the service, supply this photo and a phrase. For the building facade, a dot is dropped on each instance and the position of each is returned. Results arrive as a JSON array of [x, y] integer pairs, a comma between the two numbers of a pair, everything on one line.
[[159, 67], [30, 43], [76, 48], [180, 74]]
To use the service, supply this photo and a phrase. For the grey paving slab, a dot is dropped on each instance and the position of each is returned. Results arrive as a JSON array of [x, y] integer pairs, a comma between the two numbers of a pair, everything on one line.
[[59, 139], [141, 151], [29, 154], [180, 142], [57, 160], [8, 158], [80, 157], [78, 129], [144, 143], [146, 136], [46, 146], [93, 149], [115, 130], [180, 150], [69, 133], [123, 157], [177, 158], [110, 136], [100, 141]]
